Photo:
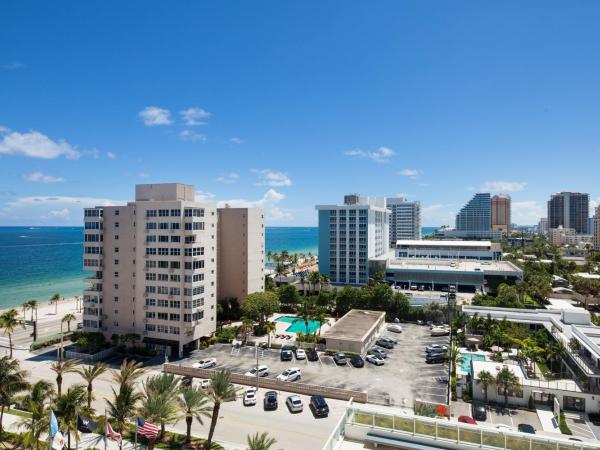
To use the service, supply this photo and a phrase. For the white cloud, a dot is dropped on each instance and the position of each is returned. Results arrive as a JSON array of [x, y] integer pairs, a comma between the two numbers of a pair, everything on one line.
[[274, 179], [194, 116], [438, 214], [236, 140], [93, 153], [111, 155], [268, 202], [35, 177], [503, 186], [381, 155], [153, 116], [189, 135], [4, 130], [229, 178], [202, 196], [528, 212], [34, 144], [143, 175], [411, 173], [82, 202], [57, 213]]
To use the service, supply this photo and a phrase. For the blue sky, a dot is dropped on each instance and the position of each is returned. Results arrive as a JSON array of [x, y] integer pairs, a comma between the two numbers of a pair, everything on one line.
[[288, 104]]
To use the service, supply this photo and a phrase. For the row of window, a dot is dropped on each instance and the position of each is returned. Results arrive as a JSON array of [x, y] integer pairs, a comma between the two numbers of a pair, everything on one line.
[[161, 303], [175, 278], [93, 225], [92, 250], [162, 238], [173, 317], [93, 237], [162, 328], [165, 290], [162, 251], [163, 213], [93, 212], [163, 226]]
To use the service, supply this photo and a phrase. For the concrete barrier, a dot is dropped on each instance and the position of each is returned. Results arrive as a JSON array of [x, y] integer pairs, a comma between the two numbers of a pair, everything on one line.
[[270, 383]]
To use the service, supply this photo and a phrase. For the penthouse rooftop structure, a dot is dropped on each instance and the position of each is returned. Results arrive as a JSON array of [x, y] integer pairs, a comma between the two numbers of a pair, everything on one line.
[[447, 249]]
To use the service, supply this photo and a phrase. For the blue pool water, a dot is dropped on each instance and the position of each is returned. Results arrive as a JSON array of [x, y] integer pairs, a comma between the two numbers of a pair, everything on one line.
[[465, 361], [297, 325]]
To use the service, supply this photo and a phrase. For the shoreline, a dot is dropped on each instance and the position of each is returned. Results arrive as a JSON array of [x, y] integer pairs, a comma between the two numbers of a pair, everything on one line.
[[45, 309]]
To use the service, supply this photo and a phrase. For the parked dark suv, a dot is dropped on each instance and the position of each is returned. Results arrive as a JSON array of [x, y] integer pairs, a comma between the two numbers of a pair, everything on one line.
[[357, 361], [270, 401], [311, 355], [286, 355], [479, 412], [319, 406]]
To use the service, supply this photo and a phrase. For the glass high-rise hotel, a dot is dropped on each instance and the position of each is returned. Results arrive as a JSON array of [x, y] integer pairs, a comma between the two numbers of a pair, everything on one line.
[[476, 215]]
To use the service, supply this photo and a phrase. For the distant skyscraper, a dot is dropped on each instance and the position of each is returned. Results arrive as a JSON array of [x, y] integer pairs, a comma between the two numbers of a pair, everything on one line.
[[501, 213], [405, 219], [597, 229], [476, 215], [349, 235], [543, 226], [569, 210]]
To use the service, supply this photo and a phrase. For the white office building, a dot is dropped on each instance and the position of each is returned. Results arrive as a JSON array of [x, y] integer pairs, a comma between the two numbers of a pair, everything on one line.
[[351, 234], [405, 219]]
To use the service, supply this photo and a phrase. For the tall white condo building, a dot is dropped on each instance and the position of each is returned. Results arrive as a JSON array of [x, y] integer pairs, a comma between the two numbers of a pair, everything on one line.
[[405, 219]]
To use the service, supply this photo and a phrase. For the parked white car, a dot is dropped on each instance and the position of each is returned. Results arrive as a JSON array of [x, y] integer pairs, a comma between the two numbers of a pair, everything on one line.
[[440, 332], [205, 363], [300, 354], [375, 360], [263, 371], [291, 374], [395, 328], [250, 397], [295, 404]]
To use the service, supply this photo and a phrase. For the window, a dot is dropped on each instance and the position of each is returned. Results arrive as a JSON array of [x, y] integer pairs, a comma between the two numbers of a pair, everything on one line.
[[151, 238], [116, 212], [196, 251], [150, 327], [116, 274], [175, 252], [116, 286], [151, 226], [174, 330], [150, 251], [194, 212], [175, 304], [150, 315], [116, 249], [194, 265], [150, 213], [175, 226], [163, 212], [163, 239], [150, 302], [175, 238], [163, 251], [150, 276], [163, 277], [116, 262], [116, 299], [162, 329], [163, 226], [163, 303], [163, 316], [174, 317], [116, 224], [175, 213]]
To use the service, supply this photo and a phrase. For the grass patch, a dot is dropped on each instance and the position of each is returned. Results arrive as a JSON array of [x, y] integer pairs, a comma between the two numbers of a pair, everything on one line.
[[564, 428]]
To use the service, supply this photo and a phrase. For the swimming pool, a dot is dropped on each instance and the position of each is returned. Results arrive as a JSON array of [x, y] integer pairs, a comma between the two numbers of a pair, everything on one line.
[[465, 361], [297, 325]]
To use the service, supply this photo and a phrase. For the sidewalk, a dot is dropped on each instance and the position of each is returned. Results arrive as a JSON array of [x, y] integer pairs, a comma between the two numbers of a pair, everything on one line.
[[87, 440]]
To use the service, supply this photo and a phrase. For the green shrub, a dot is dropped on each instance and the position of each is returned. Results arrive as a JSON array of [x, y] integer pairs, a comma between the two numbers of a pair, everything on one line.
[[47, 341], [564, 428]]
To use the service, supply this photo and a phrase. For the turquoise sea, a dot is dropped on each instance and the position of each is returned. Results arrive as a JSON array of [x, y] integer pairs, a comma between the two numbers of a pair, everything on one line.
[[36, 262]]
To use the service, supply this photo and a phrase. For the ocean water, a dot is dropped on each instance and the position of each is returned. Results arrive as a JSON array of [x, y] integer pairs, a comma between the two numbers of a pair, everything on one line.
[[36, 262]]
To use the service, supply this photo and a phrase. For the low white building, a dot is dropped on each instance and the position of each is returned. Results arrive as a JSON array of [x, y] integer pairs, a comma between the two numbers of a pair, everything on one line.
[[568, 393]]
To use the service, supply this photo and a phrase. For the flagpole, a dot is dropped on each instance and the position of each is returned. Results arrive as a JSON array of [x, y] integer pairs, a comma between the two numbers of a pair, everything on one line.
[[105, 426], [50, 432], [135, 438]]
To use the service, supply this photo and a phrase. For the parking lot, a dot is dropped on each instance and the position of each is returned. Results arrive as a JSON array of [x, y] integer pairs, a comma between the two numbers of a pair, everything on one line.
[[404, 378]]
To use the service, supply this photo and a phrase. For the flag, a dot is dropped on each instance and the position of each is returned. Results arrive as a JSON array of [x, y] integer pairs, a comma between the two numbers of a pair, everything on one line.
[[112, 434], [86, 425], [53, 424], [146, 428], [58, 441]]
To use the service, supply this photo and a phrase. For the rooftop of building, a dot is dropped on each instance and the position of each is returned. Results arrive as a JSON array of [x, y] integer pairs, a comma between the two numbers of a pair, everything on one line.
[[432, 264], [354, 325], [444, 243], [165, 192]]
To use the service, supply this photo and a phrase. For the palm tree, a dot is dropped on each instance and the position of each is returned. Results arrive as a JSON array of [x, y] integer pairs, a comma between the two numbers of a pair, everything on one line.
[[69, 407], [221, 390], [55, 299], [128, 372], [260, 441], [279, 270], [306, 311], [68, 318], [25, 306], [160, 399], [194, 404], [38, 421], [315, 279], [61, 367], [303, 283], [486, 379], [12, 381], [9, 322], [246, 327], [507, 381], [123, 406], [89, 374], [320, 315], [33, 305], [268, 328]]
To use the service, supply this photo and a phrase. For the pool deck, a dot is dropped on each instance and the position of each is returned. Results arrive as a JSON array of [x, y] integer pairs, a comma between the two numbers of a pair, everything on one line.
[[281, 329]]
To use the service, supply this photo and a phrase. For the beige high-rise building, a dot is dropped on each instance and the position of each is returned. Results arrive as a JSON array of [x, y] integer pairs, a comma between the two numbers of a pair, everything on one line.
[[501, 214], [597, 229], [241, 259], [155, 268]]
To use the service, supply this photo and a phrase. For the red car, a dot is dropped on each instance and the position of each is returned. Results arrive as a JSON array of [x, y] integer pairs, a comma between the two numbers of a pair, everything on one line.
[[467, 419]]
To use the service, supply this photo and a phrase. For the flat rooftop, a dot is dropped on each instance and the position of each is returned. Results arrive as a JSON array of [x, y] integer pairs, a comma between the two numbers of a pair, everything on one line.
[[448, 243], [453, 266], [354, 325]]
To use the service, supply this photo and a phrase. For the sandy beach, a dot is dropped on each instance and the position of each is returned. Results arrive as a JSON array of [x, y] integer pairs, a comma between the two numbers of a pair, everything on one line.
[[45, 309]]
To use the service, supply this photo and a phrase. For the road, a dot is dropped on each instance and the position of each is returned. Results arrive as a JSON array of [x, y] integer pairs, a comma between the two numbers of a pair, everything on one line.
[[47, 326], [293, 431]]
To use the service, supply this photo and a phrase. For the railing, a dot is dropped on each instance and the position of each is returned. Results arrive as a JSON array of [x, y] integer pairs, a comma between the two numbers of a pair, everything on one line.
[[88, 357], [427, 430], [270, 383]]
